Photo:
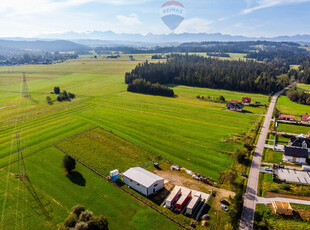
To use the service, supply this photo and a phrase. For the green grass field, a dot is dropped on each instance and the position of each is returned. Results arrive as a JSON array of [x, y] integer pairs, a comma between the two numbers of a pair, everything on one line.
[[186, 131], [105, 151], [291, 128], [58, 194], [288, 107]]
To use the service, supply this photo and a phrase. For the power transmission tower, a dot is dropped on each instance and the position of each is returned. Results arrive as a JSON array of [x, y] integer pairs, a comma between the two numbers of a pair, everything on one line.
[[25, 92], [22, 172]]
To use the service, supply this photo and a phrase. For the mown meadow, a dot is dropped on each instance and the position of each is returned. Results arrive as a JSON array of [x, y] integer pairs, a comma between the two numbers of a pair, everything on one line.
[[184, 130]]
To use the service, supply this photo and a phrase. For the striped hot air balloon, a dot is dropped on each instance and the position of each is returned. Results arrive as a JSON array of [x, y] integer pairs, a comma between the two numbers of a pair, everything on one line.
[[172, 13]]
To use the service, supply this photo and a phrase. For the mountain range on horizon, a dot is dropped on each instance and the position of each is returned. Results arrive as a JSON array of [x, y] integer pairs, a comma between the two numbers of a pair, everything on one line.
[[167, 38]]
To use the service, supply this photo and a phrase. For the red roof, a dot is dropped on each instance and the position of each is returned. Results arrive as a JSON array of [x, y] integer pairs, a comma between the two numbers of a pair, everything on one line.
[[305, 117], [234, 101], [285, 116], [173, 3], [246, 100]]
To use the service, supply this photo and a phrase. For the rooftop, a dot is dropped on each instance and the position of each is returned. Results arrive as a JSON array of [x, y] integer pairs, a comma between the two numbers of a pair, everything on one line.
[[142, 176], [298, 141], [295, 152], [286, 116]]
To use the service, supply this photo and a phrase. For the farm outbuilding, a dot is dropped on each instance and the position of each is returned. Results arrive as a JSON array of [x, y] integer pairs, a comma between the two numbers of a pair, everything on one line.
[[183, 200], [193, 204], [114, 175], [143, 181], [173, 197], [246, 100]]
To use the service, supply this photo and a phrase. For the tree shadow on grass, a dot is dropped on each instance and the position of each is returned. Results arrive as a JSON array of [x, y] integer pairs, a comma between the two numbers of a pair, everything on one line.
[[76, 178]]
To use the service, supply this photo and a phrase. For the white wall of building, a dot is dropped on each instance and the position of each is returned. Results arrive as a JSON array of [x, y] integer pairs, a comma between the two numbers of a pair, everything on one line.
[[298, 160]]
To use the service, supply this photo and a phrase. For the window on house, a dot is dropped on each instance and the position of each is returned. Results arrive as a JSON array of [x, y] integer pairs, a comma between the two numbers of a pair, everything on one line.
[[138, 184], [155, 185]]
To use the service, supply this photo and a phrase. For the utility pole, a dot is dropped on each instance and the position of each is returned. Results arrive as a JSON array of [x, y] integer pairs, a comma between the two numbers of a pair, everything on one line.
[[25, 91]]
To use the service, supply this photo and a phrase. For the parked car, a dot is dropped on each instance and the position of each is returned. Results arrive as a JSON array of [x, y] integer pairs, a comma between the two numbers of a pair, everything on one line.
[[268, 169], [244, 175], [225, 202], [224, 208]]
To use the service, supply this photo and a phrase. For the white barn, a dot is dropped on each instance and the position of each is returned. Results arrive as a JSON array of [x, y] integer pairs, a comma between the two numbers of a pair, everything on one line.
[[143, 181]]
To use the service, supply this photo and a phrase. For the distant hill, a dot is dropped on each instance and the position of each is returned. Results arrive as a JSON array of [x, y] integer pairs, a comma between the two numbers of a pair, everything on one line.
[[38, 46], [94, 37]]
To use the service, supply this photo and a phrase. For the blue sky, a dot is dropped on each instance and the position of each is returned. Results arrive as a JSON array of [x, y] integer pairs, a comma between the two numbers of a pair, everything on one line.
[[237, 17]]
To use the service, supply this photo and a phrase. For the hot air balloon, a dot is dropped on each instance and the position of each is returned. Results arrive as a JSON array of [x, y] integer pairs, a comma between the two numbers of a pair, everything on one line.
[[172, 13]]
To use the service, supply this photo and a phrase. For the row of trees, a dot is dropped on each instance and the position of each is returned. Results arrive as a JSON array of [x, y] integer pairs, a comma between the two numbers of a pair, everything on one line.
[[194, 70], [143, 86], [291, 57], [46, 58], [298, 95]]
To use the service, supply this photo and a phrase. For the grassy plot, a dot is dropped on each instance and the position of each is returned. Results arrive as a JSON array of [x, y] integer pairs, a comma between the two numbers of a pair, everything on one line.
[[291, 128], [104, 151], [271, 156], [58, 194], [286, 106]]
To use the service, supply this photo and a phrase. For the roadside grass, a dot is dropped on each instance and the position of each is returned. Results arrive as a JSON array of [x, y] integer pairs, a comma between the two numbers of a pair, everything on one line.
[[266, 219], [104, 151], [59, 194]]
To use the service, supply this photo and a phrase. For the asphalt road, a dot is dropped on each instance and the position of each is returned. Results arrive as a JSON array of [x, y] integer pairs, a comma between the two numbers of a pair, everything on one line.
[[247, 217]]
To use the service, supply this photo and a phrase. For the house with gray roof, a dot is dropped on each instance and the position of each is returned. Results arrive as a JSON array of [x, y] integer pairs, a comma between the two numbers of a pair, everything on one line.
[[143, 181], [295, 155]]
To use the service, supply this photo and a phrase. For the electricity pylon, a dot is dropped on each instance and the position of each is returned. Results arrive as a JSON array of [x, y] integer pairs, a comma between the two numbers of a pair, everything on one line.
[[25, 91]]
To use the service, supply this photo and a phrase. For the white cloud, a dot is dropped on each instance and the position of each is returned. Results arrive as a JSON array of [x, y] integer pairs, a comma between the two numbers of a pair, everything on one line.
[[261, 4], [130, 20], [194, 25]]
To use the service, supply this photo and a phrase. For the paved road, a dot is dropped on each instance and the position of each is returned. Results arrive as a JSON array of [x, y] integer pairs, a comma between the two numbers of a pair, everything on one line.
[[263, 200], [247, 217]]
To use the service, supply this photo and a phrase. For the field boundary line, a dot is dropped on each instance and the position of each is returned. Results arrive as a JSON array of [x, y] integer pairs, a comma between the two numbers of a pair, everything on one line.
[[104, 177]]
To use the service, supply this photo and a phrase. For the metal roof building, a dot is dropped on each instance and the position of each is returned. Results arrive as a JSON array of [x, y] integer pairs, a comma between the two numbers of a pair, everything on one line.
[[143, 181]]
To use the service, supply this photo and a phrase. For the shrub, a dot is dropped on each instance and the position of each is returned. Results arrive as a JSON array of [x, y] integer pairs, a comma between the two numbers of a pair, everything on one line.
[[285, 187], [98, 223], [81, 226], [56, 90], [86, 216], [273, 189], [68, 163], [71, 221], [78, 209]]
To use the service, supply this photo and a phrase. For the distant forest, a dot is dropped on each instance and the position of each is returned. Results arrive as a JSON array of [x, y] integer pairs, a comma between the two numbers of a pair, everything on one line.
[[247, 47], [46, 58], [194, 70]]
